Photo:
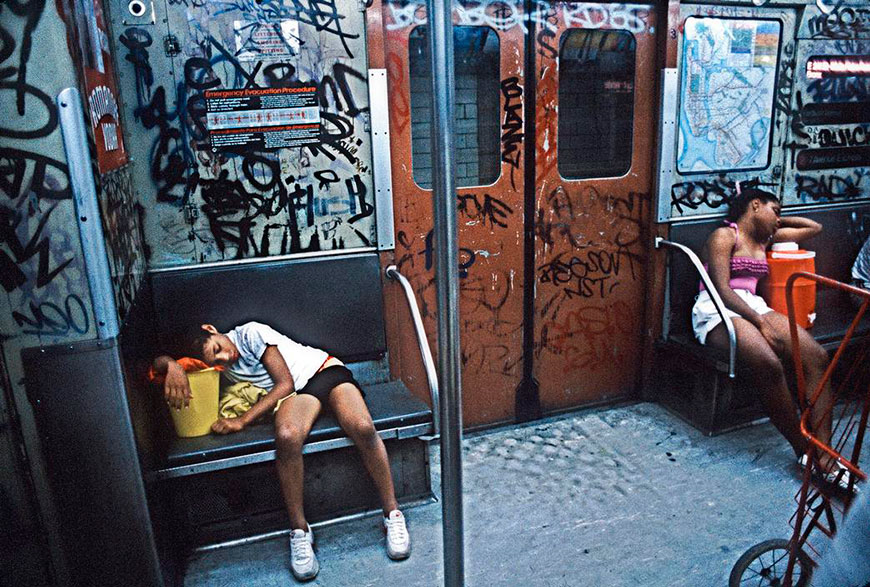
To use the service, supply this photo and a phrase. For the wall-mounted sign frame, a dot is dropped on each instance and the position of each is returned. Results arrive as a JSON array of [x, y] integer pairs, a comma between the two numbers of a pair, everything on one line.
[[262, 118]]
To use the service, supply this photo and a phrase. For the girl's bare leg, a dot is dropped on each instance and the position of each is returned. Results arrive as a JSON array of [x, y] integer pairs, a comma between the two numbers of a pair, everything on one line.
[[760, 363], [815, 361]]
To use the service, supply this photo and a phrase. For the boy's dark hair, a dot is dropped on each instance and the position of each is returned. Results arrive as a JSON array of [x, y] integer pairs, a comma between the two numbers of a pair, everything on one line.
[[195, 341], [739, 204]]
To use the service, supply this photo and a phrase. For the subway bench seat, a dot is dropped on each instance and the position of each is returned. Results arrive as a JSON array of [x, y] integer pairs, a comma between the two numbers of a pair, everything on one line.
[[692, 380], [219, 488]]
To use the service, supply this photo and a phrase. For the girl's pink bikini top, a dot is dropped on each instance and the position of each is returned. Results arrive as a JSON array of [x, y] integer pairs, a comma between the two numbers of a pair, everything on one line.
[[745, 271]]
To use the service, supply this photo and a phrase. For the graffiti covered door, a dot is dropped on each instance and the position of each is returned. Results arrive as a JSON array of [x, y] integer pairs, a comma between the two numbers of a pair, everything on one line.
[[488, 65], [591, 192], [595, 69]]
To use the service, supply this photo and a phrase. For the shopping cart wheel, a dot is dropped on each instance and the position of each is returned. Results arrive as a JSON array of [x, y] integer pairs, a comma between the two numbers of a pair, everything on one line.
[[765, 563]]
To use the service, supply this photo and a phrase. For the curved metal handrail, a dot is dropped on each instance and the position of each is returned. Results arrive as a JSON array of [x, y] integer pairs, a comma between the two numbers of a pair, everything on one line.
[[714, 295], [428, 363]]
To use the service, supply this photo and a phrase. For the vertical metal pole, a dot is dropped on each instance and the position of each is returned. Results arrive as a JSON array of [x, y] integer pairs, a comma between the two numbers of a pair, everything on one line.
[[81, 180], [447, 287]]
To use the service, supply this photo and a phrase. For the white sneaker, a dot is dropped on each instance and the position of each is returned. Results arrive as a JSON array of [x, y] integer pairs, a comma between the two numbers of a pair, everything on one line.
[[303, 563], [398, 539]]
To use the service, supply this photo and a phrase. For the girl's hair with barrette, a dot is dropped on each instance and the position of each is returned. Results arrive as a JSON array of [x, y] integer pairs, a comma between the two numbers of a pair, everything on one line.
[[741, 201]]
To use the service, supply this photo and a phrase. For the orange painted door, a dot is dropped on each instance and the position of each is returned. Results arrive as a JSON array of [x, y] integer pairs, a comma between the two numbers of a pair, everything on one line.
[[595, 139], [582, 344], [490, 169]]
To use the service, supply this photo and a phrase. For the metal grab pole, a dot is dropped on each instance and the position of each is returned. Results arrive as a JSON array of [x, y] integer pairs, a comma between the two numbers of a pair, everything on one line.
[[440, 14]]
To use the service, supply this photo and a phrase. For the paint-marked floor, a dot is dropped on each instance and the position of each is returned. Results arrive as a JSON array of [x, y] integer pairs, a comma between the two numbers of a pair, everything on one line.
[[625, 496]]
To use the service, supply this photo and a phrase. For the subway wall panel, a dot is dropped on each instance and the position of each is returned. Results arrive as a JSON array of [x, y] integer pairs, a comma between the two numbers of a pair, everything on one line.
[[44, 297], [734, 83], [828, 149], [249, 125]]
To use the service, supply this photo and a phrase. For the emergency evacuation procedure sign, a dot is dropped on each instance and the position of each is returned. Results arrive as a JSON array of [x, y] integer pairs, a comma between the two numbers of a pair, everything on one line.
[[267, 118]]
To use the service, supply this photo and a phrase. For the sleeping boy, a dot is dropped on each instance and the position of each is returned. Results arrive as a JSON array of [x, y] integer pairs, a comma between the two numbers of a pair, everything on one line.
[[299, 382]]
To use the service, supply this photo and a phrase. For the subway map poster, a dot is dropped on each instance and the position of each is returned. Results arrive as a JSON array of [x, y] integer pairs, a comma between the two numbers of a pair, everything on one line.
[[726, 94]]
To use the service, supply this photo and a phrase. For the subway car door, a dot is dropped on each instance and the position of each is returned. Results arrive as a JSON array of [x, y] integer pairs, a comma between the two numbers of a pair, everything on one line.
[[488, 47], [594, 139], [595, 74], [587, 269]]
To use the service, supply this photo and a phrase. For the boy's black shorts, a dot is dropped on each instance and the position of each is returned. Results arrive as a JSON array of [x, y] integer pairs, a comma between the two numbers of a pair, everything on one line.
[[326, 380]]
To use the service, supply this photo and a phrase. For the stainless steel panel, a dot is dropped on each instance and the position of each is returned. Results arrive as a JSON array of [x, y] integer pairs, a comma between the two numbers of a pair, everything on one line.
[[667, 141], [81, 179], [381, 160]]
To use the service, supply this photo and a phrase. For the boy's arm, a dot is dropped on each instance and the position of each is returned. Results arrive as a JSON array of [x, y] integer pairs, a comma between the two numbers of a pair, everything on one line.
[[176, 387], [284, 386]]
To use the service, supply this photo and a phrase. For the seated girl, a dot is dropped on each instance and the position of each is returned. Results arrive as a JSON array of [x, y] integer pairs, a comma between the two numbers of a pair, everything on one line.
[[299, 381], [735, 256]]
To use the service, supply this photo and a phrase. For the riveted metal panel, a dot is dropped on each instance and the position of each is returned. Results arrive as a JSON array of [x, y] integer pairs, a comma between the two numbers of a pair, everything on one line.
[[729, 141], [667, 141], [378, 98], [206, 204]]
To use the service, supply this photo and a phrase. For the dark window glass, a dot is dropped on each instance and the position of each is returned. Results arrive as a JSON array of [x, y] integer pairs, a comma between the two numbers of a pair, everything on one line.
[[596, 103], [476, 68]]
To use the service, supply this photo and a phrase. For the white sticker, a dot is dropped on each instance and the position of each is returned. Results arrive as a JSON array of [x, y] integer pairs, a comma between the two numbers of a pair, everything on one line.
[[266, 40]]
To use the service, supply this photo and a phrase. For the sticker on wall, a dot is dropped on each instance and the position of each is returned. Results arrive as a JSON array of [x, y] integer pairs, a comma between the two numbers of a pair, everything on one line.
[[271, 40], [267, 118], [100, 85]]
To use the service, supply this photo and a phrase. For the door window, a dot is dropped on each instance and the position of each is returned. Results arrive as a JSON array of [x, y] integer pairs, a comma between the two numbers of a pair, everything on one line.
[[476, 126], [596, 103]]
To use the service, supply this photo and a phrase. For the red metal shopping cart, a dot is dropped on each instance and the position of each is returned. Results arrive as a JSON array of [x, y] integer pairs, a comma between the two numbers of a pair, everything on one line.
[[826, 492]]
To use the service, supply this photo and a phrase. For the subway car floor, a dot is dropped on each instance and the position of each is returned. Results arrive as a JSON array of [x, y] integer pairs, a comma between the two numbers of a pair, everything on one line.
[[624, 496]]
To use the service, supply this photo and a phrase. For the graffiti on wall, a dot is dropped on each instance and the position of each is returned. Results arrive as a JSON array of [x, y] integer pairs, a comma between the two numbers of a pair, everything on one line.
[[123, 232], [840, 22], [503, 16], [252, 202], [829, 134], [42, 276]]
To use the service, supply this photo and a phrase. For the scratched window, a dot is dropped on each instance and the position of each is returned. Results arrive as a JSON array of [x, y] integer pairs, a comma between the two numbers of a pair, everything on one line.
[[476, 127], [596, 103]]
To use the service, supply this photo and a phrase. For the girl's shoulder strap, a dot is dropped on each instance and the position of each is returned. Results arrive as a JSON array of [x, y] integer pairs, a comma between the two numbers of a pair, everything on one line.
[[736, 231]]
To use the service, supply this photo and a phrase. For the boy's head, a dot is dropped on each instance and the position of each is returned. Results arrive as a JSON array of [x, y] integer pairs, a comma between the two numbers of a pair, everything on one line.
[[210, 346]]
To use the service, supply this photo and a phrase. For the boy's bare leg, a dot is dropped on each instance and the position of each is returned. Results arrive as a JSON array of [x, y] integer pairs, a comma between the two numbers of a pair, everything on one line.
[[353, 416], [293, 422]]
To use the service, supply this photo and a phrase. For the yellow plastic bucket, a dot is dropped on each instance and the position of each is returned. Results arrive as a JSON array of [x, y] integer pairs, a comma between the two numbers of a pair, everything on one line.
[[196, 419]]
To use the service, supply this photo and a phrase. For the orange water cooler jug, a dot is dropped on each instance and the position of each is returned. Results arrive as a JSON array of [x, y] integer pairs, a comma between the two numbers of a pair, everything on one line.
[[785, 259]]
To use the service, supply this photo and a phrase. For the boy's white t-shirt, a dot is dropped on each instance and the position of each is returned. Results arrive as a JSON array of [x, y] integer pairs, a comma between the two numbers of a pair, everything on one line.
[[252, 339]]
